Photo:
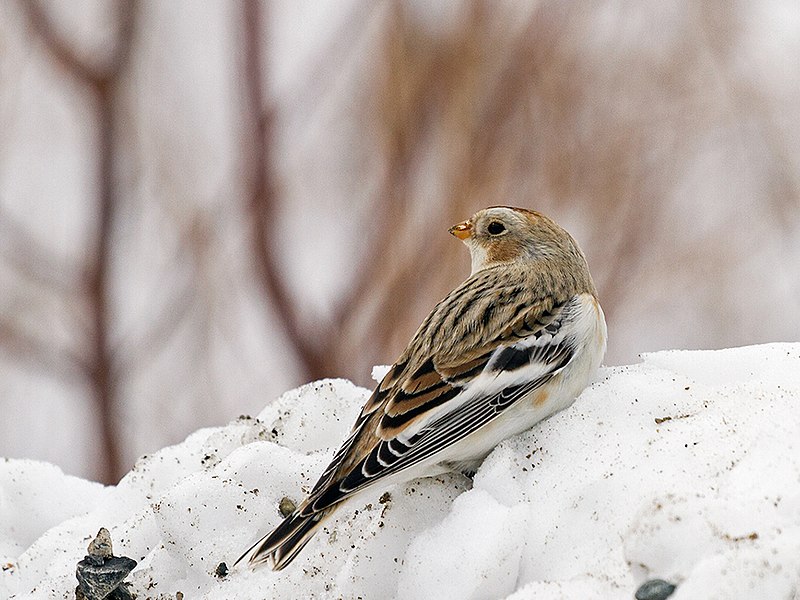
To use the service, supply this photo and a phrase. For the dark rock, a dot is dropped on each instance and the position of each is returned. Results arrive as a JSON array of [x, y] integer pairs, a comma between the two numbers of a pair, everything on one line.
[[122, 593], [100, 574], [98, 581], [221, 570], [655, 589]]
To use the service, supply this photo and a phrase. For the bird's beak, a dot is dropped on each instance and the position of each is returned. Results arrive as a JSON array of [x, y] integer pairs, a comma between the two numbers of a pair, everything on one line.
[[463, 230]]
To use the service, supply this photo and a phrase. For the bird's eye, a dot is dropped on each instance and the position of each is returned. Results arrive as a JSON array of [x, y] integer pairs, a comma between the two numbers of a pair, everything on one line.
[[496, 228]]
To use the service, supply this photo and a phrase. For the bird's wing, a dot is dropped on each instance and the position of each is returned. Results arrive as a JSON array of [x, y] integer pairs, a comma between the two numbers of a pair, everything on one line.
[[436, 395]]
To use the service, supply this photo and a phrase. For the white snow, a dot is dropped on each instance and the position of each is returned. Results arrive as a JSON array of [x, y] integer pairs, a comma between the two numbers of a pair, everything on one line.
[[684, 467]]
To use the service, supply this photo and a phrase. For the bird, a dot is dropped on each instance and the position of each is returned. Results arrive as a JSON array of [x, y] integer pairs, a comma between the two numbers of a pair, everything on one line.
[[516, 342]]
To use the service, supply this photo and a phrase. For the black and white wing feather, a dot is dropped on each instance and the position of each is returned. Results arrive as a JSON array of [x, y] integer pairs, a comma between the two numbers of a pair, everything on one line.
[[435, 405]]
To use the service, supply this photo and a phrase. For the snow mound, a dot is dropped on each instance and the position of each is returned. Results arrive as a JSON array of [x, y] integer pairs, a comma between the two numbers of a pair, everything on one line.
[[684, 467]]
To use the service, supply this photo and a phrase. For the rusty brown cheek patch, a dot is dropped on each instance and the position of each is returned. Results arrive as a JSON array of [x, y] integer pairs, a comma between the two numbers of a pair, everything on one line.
[[503, 251]]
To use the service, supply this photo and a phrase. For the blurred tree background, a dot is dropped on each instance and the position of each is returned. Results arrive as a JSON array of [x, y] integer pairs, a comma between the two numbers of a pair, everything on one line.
[[203, 204]]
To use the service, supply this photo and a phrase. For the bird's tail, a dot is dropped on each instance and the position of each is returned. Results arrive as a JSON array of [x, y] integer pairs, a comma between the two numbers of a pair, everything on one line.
[[279, 548]]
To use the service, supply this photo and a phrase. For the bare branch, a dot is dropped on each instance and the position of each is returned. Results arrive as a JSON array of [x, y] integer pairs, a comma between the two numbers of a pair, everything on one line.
[[101, 81], [66, 55], [262, 201], [56, 45]]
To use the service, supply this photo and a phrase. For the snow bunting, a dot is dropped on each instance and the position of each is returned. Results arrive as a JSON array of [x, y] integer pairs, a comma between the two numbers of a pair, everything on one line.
[[513, 344]]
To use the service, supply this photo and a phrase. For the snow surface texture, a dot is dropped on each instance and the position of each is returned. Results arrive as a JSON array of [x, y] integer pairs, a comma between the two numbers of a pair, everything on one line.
[[684, 467]]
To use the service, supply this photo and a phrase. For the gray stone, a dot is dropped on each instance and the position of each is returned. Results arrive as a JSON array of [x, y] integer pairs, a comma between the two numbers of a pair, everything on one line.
[[97, 582], [655, 589]]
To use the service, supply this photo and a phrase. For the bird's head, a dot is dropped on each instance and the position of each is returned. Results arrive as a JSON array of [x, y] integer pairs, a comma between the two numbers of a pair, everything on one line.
[[503, 234]]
